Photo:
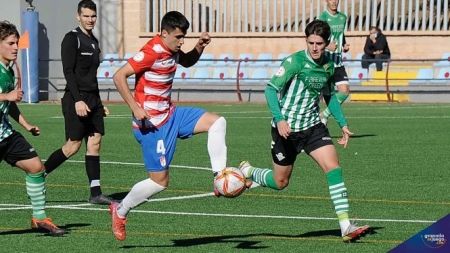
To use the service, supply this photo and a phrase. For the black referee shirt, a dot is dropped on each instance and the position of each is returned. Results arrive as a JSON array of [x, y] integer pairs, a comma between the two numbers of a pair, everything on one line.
[[80, 56]]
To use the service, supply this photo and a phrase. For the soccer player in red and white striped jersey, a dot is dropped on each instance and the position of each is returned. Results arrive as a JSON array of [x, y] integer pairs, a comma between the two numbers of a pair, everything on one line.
[[157, 122]]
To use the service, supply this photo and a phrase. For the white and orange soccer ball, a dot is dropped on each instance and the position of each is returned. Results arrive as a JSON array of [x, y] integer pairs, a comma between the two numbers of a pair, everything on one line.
[[230, 182]]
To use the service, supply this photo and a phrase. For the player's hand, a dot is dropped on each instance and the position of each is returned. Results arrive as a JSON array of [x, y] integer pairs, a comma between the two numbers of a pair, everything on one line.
[[332, 46], [284, 129], [141, 114], [15, 95], [82, 109], [346, 48], [204, 40], [34, 130], [346, 133]]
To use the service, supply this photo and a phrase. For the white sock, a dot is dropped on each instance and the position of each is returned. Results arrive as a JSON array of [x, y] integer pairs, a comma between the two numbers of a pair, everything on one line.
[[139, 194], [344, 222], [95, 183], [217, 148], [344, 225]]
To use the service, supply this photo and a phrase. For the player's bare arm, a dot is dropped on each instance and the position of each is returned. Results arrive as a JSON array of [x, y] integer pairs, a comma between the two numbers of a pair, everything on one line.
[[346, 46], [189, 59], [120, 80], [14, 95]]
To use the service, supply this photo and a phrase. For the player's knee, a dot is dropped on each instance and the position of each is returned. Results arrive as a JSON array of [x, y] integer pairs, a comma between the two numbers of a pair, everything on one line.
[[344, 88], [219, 125], [32, 166], [39, 167], [71, 148], [160, 178]]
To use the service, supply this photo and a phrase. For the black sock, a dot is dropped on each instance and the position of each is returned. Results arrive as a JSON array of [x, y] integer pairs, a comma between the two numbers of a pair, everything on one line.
[[93, 173], [55, 159]]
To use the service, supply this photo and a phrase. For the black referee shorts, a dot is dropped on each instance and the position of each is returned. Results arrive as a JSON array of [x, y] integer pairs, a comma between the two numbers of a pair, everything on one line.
[[77, 128], [340, 76], [15, 148], [285, 151]]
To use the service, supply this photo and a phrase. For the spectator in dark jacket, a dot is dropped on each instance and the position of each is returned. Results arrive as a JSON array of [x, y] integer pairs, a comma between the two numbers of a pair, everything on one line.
[[376, 49]]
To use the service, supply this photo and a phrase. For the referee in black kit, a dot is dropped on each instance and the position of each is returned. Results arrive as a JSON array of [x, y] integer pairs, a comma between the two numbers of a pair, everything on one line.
[[81, 104]]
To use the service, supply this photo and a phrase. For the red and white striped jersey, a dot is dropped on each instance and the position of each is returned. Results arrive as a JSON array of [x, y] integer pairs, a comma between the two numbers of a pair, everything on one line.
[[154, 67]]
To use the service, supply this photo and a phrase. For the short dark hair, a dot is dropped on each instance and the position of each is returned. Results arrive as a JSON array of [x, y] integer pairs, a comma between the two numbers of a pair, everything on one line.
[[320, 28], [7, 29], [173, 20], [89, 4]]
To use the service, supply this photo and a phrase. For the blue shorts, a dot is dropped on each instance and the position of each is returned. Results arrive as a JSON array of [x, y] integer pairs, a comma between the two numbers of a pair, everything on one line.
[[158, 144]]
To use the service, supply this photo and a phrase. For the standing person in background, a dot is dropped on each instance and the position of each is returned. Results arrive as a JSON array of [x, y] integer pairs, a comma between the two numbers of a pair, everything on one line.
[[338, 23], [81, 104], [157, 122], [14, 148], [376, 49]]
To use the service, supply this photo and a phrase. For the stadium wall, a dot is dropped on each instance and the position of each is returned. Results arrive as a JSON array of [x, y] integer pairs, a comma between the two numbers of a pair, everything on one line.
[[403, 45]]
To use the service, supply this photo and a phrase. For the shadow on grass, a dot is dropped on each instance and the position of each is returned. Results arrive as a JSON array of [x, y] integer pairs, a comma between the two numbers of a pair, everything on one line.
[[41, 232], [234, 239], [331, 232], [118, 196], [247, 244], [84, 201]]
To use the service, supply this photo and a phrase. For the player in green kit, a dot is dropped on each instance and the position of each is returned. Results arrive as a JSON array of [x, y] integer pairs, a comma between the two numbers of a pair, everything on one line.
[[334, 50], [14, 149], [292, 96]]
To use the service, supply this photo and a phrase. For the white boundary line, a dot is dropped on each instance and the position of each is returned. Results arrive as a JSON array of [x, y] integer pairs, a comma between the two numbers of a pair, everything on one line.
[[83, 207], [268, 117], [141, 164]]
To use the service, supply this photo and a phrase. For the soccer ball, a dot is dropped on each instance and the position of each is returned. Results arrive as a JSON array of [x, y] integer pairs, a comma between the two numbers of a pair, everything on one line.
[[230, 182]]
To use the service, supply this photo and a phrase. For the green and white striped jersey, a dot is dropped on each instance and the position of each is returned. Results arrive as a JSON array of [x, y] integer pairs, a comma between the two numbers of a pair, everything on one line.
[[337, 24], [6, 85], [299, 82]]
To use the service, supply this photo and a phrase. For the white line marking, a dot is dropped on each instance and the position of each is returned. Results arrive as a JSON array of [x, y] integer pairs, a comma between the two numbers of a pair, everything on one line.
[[16, 205], [73, 207], [364, 117], [183, 197], [15, 208], [348, 117], [141, 164], [20, 206]]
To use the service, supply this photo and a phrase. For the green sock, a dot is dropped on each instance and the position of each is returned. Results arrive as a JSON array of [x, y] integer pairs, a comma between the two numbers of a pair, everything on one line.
[[341, 97], [36, 192], [338, 192], [264, 177], [343, 216]]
